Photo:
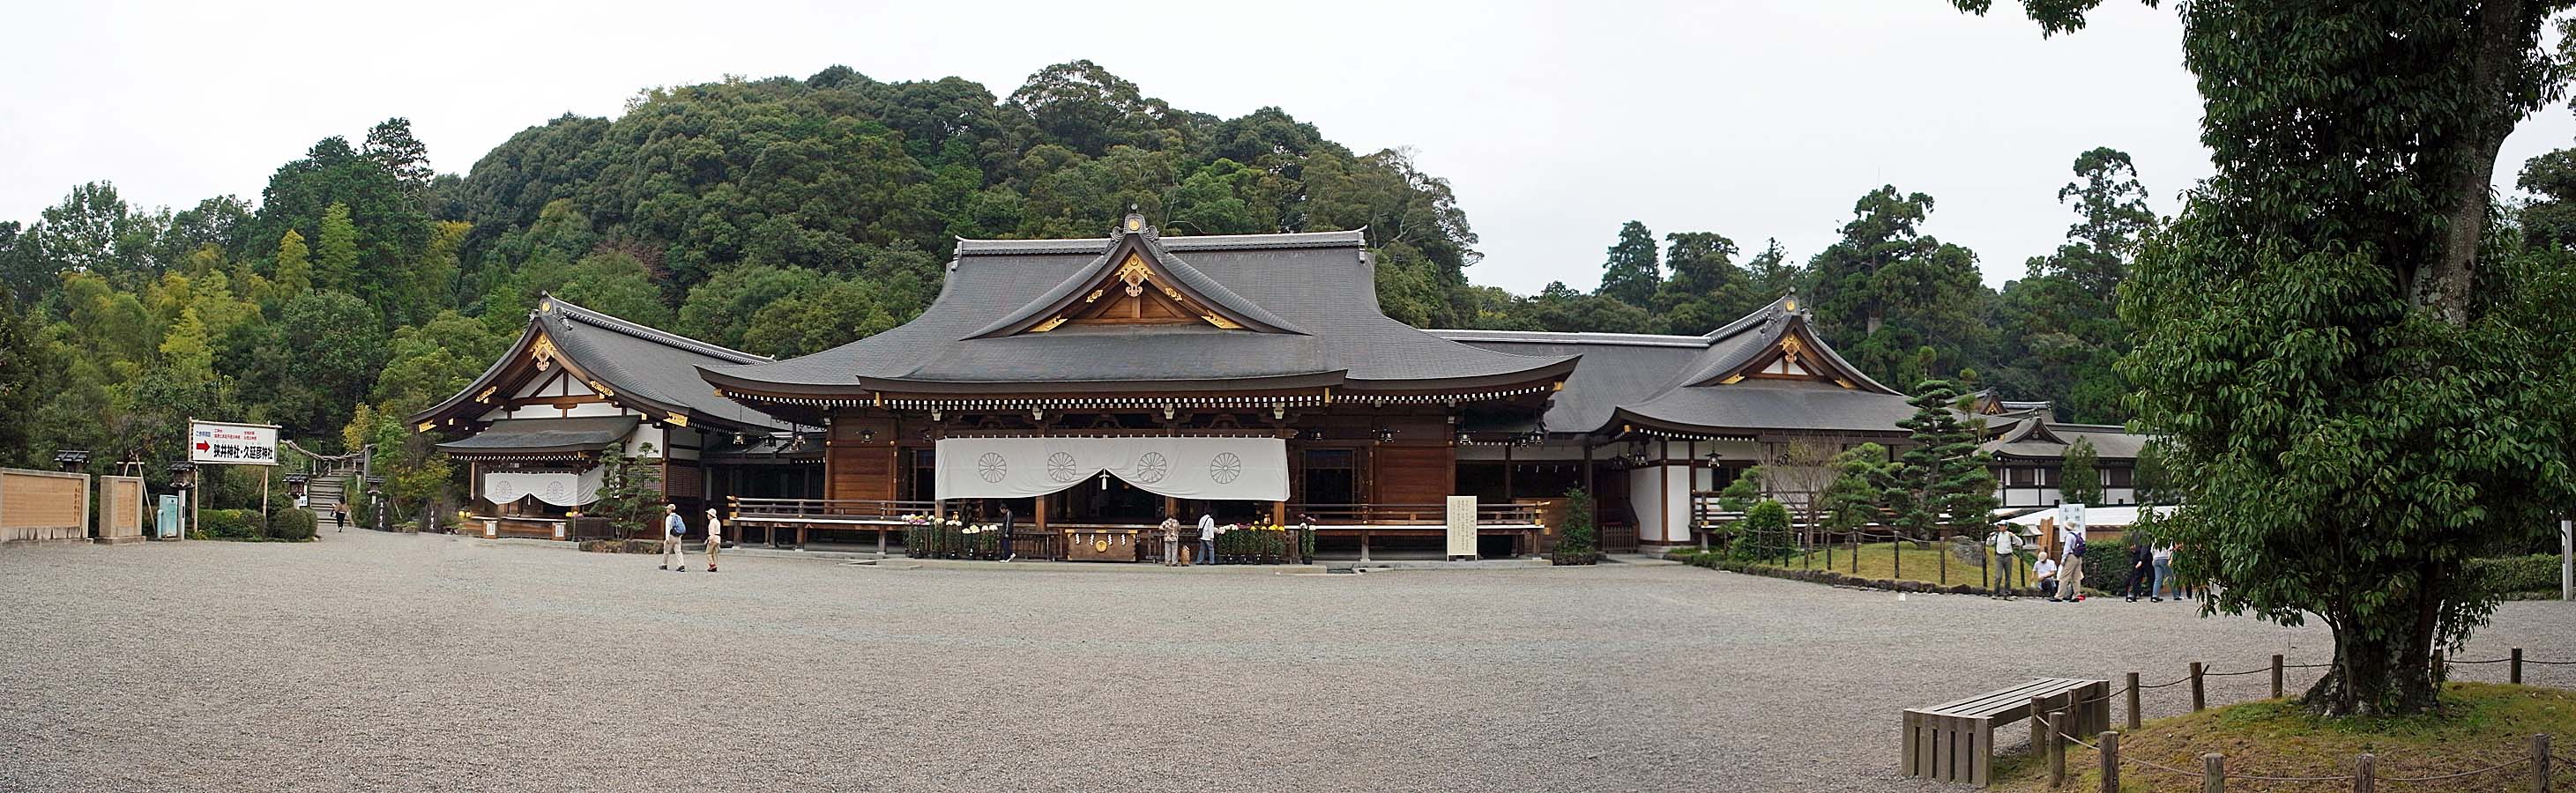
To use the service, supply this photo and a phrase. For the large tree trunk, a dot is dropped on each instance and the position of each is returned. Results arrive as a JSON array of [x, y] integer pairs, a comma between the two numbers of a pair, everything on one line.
[[2444, 285], [2385, 675]]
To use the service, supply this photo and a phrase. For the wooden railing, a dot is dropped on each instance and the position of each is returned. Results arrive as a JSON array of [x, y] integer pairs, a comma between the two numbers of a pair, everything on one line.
[[1411, 514], [826, 508]]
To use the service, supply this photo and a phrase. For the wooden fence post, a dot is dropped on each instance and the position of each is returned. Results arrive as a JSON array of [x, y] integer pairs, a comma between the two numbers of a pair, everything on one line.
[[2199, 700], [2057, 749], [2276, 675], [2540, 763], [2110, 761], [2133, 700], [2514, 669], [2038, 722], [2213, 773], [2365, 774]]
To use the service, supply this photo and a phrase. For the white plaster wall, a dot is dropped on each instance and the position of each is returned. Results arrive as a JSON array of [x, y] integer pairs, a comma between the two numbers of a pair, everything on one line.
[[1651, 499]]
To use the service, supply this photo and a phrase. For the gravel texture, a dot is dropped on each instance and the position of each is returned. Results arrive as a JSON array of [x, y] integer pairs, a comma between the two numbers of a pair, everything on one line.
[[374, 661]]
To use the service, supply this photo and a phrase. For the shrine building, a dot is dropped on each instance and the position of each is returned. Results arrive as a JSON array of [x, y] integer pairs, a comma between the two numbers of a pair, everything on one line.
[[1082, 390]]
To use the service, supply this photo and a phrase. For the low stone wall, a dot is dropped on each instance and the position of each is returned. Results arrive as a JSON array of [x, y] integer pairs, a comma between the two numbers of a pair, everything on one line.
[[43, 505]]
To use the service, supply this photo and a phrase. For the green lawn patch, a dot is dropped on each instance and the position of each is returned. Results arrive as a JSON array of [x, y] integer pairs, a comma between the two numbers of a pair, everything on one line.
[[2481, 724]]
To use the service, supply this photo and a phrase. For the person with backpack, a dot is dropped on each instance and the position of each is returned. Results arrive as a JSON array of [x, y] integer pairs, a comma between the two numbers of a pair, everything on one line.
[[673, 528], [2070, 565]]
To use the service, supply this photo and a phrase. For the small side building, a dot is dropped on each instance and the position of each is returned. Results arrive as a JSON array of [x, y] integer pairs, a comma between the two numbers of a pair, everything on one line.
[[578, 385]]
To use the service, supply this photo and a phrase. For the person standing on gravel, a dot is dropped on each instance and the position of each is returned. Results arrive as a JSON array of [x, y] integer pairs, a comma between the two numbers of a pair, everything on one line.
[[715, 539], [673, 528], [1171, 541], [2070, 564], [2141, 568], [2162, 557], [2004, 544], [1207, 538]]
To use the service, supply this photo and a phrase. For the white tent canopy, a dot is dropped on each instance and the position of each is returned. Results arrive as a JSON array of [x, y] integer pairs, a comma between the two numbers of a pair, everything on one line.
[[1220, 468]]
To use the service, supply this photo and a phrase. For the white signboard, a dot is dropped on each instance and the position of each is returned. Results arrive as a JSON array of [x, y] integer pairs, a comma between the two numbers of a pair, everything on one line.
[[211, 443], [1462, 526], [2070, 519]]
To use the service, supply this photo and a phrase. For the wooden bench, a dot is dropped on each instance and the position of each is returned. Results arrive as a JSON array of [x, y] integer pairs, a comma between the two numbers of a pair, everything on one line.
[[1955, 741]]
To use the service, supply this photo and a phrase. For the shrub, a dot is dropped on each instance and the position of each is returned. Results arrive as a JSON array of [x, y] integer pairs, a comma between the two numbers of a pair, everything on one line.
[[2516, 574], [1764, 534], [291, 524], [1578, 543], [228, 524]]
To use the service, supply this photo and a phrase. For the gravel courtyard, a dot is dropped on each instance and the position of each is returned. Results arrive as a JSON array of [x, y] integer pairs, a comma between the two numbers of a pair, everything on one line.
[[374, 661]]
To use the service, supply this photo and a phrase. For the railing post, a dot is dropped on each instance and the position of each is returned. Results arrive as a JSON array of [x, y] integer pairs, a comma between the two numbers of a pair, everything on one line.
[[2199, 702], [2038, 723], [2133, 700], [2513, 670], [2276, 675], [2540, 763], [2365, 774], [2057, 749], [2213, 773], [2110, 761]]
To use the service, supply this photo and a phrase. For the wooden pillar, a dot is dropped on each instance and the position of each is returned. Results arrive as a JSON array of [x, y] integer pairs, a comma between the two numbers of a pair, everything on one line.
[[1279, 513], [1039, 512], [1507, 473]]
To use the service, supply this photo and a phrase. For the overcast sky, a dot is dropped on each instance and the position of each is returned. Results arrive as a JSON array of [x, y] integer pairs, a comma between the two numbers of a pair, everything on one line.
[[1555, 122]]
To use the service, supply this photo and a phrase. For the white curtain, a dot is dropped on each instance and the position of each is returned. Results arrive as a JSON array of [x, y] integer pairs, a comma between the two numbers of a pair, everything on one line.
[[560, 488], [1234, 469]]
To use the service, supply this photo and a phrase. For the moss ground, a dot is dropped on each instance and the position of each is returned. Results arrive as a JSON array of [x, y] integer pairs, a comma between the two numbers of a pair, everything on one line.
[[2481, 724]]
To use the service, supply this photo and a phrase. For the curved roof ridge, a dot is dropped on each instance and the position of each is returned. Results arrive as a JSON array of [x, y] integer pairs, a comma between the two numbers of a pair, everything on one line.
[[1206, 289], [1570, 337], [1286, 239], [612, 322]]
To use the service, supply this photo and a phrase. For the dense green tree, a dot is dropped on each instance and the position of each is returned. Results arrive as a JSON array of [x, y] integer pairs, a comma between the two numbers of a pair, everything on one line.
[[1946, 487], [1886, 290], [2079, 479], [318, 362], [721, 309], [609, 281], [2062, 330], [1864, 476], [1707, 289], [1770, 275], [93, 230], [2358, 386], [294, 269], [393, 148], [25, 274], [390, 227], [335, 253], [23, 364], [1631, 273]]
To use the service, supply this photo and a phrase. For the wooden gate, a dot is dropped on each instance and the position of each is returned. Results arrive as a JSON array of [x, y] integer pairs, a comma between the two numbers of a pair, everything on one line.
[[43, 505], [120, 509]]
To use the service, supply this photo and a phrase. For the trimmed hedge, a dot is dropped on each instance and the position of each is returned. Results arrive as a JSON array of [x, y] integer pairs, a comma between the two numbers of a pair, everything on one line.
[[291, 524], [229, 524], [2513, 575]]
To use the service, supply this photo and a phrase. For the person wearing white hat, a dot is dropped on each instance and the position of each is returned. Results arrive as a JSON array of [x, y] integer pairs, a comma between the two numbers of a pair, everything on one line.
[[715, 539]]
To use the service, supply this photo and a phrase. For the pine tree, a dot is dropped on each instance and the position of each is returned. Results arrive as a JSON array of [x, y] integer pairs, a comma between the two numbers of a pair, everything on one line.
[[1945, 487], [336, 256], [1632, 273]]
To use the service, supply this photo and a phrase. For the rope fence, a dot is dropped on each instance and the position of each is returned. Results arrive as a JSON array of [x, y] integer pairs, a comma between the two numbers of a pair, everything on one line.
[[2049, 721]]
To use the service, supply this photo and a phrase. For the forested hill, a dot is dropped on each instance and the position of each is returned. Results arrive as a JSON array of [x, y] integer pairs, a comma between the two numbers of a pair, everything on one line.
[[785, 216]]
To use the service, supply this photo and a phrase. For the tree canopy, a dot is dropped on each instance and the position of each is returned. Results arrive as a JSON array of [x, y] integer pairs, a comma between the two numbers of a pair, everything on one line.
[[2358, 372]]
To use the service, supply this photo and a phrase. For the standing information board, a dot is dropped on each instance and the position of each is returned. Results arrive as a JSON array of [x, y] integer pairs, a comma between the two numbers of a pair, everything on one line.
[[217, 443]]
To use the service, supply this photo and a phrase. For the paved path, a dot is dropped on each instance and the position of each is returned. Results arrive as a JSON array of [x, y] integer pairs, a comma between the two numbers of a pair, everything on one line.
[[374, 661]]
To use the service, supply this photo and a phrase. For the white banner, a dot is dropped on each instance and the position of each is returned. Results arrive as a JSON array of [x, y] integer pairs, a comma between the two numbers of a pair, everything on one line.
[[1227, 469], [214, 443], [560, 488]]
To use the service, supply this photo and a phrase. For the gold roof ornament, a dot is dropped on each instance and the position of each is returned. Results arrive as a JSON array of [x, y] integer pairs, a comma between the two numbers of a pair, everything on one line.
[[1133, 273]]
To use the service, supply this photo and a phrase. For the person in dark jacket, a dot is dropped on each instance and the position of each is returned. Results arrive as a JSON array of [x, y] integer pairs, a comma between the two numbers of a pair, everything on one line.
[[2142, 571]]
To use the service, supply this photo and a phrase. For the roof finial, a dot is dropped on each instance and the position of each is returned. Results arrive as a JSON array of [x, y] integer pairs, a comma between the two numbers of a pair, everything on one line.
[[1134, 223]]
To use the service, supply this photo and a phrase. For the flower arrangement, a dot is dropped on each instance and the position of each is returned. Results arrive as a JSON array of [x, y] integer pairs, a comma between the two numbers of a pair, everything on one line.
[[933, 537], [1258, 543]]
